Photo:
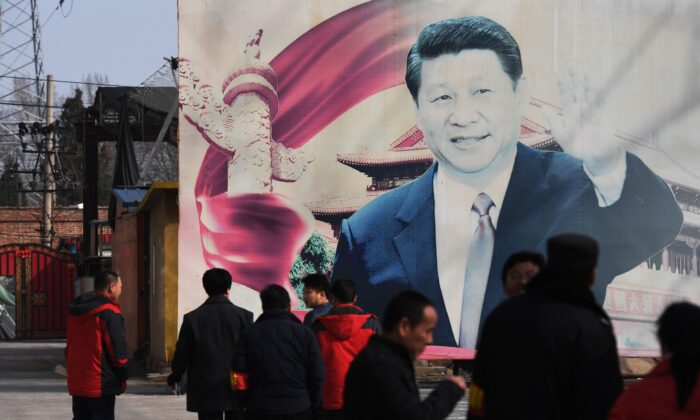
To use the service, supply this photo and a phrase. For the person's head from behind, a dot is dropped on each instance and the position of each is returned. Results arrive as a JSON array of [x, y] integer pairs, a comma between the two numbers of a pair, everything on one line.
[[465, 77], [316, 287], [679, 336], [573, 258], [216, 282], [343, 291], [274, 298], [410, 320], [519, 269], [109, 283]]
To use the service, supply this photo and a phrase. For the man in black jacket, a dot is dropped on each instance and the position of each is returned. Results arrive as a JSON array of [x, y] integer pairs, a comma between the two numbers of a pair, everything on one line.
[[207, 340], [281, 363], [549, 353], [381, 382]]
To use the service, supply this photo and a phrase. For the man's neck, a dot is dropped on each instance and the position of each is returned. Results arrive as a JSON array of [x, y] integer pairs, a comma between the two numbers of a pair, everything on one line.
[[106, 294], [395, 338]]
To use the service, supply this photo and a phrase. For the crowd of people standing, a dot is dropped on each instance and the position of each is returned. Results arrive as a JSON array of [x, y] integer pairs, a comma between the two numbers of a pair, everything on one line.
[[547, 352]]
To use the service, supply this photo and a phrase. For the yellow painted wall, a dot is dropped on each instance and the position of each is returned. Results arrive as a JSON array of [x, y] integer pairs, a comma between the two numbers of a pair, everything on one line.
[[163, 227]]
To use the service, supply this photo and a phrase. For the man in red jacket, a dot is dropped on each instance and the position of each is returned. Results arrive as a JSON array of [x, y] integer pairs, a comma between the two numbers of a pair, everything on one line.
[[341, 334], [96, 353]]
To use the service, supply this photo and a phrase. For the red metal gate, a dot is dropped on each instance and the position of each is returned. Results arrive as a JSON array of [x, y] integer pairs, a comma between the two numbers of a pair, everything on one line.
[[43, 288]]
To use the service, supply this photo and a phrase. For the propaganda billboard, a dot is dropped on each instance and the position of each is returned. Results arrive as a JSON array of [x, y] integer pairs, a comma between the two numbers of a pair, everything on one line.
[[417, 144]]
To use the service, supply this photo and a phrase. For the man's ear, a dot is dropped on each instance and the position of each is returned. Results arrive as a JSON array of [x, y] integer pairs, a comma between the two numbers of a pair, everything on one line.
[[404, 327], [354, 300], [521, 92], [591, 281], [416, 112]]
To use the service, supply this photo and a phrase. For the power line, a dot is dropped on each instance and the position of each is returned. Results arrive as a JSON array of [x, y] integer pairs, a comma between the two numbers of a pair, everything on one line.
[[69, 81], [65, 15], [30, 105], [50, 16]]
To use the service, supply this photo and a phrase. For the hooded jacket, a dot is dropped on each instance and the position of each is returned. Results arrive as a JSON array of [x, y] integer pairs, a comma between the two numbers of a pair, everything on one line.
[[96, 352], [341, 334]]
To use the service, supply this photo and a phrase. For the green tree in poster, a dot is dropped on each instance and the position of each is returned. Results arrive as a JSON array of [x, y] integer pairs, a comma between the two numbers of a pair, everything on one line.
[[316, 257]]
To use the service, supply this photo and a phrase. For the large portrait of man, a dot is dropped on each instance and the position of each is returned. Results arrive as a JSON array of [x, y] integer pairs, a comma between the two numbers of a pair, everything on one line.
[[486, 196], [416, 144]]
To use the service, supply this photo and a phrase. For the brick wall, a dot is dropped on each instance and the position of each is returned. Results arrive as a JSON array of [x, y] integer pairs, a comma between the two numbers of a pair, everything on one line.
[[22, 224]]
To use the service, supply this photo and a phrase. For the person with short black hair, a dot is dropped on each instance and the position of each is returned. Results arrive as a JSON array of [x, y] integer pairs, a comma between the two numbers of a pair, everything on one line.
[[549, 353], [208, 337], [519, 269], [341, 334], [96, 349], [671, 391], [105, 279], [381, 381], [278, 364], [316, 296]]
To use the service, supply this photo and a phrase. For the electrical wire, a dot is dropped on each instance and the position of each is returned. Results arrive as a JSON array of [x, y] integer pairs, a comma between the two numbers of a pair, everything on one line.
[[67, 81], [65, 15], [30, 105], [50, 16], [60, 6]]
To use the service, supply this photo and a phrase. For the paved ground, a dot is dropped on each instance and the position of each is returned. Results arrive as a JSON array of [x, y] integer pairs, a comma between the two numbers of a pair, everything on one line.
[[30, 389]]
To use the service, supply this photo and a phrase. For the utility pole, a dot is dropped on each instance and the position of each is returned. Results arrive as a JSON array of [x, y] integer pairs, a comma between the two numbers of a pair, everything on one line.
[[50, 185]]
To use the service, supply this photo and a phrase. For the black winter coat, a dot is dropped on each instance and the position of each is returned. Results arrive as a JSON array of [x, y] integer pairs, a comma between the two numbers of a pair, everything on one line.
[[547, 354], [284, 366], [207, 340], [381, 385]]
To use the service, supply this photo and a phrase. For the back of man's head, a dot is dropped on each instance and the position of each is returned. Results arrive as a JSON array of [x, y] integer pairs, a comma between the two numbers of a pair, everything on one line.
[[317, 281], [344, 291], [408, 304], [104, 279], [274, 297], [216, 281], [573, 256]]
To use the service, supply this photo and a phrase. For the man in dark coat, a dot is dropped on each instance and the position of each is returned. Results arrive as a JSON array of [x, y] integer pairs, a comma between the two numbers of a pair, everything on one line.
[[381, 382], [280, 362], [549, 353], [207, 340]]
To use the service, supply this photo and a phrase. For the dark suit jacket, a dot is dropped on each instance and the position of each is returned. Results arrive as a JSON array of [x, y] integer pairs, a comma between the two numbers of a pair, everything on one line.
[[389, 244], [204, 349]]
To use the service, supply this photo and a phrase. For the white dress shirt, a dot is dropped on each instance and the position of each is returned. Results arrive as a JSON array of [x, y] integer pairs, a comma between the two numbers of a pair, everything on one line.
[[455, 224]]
